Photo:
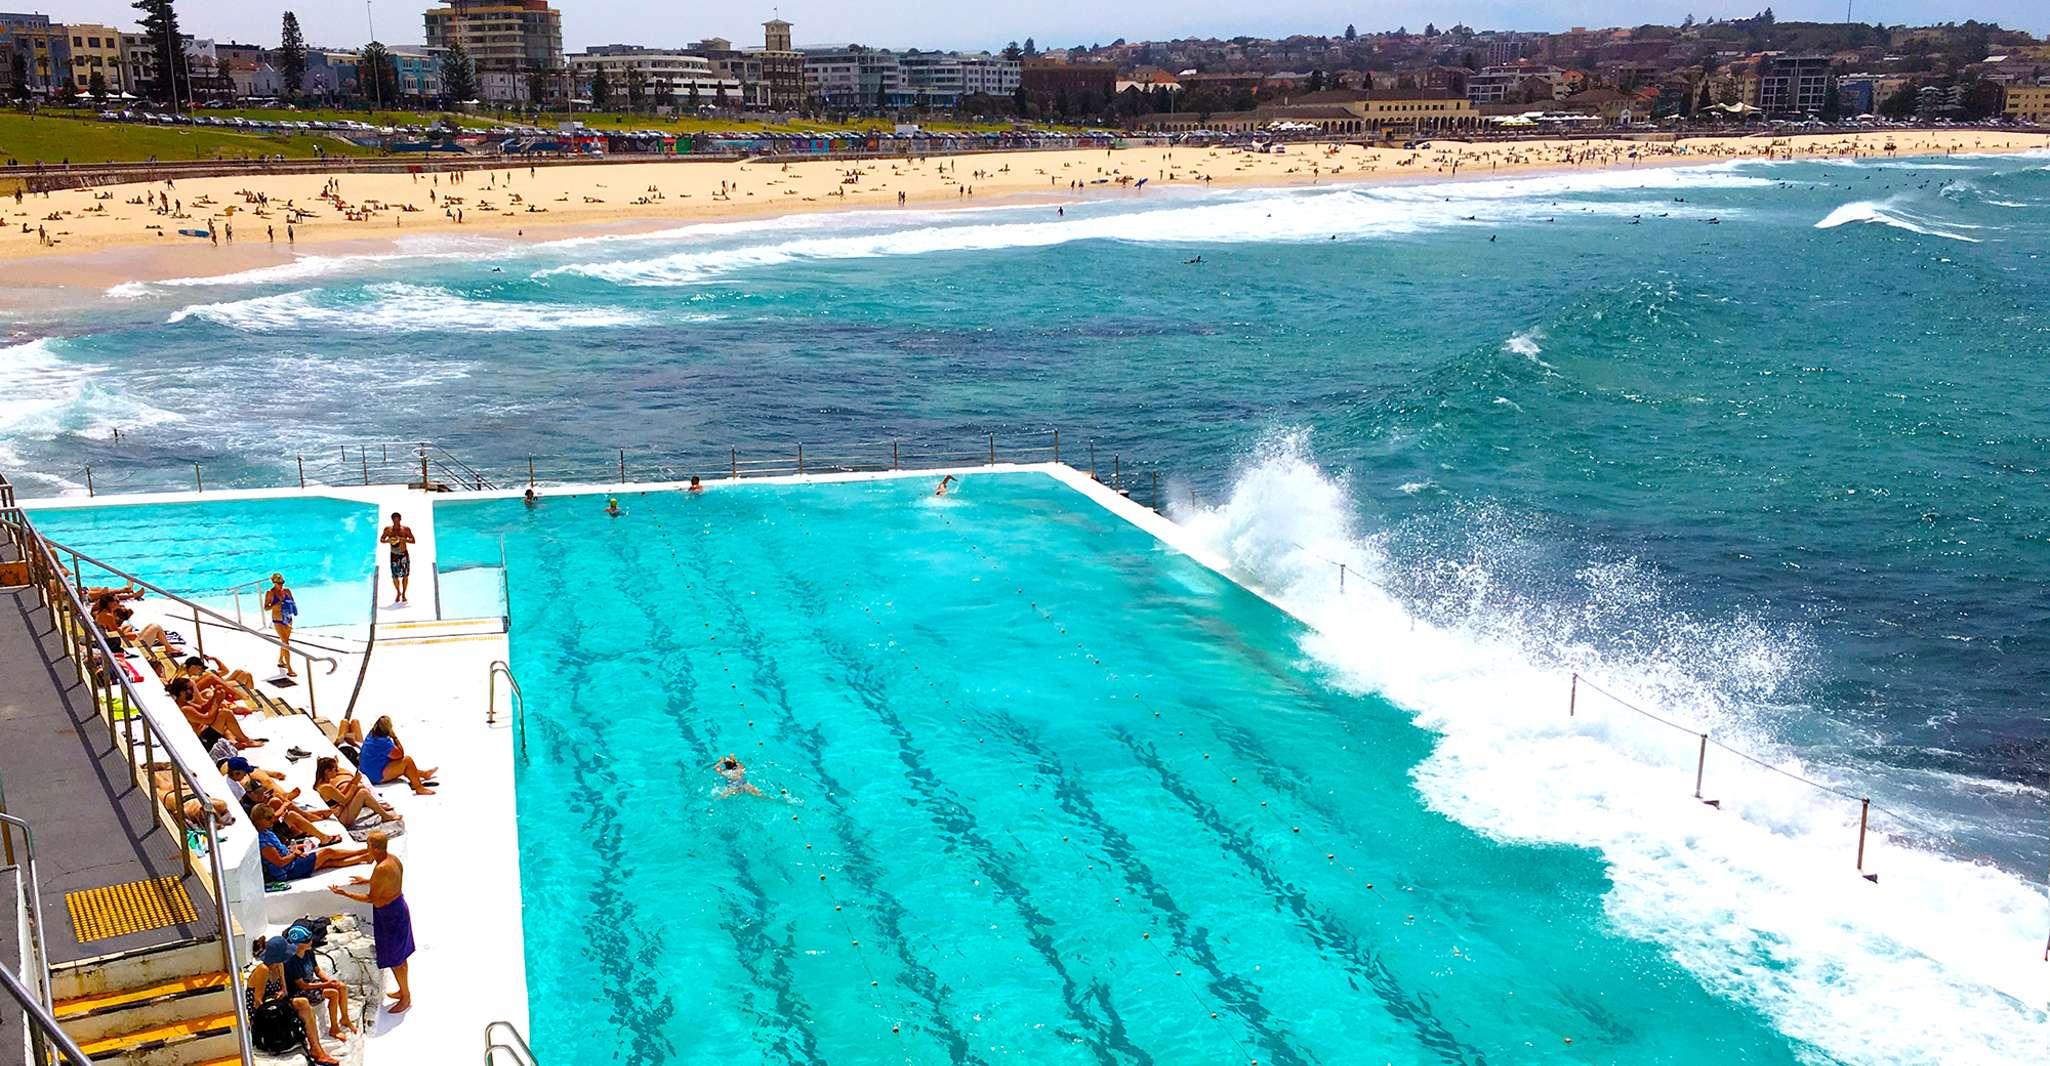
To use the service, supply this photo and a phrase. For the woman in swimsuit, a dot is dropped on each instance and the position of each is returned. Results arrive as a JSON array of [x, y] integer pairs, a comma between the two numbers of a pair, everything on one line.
[[283, 610]]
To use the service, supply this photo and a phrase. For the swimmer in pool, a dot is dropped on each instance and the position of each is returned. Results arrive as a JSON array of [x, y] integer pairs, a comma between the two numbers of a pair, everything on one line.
[[532, 500], [695, 484], [736, 777], [944, 482], [612, 507]]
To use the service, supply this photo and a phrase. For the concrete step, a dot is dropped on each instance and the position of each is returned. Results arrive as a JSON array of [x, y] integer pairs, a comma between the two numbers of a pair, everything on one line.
[[451, 625], [180, 1043], [130, 971], [95, 1018]]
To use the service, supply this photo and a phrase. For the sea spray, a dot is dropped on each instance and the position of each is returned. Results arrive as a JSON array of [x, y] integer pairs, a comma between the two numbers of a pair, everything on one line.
[[1758, 896]]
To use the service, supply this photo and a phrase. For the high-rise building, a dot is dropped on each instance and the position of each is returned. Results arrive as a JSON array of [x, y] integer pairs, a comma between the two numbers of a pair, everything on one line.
[[507, 40], [1796, 84]]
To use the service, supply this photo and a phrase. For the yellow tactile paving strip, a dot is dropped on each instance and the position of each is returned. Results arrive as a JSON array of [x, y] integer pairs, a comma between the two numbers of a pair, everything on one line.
[[135, 907]]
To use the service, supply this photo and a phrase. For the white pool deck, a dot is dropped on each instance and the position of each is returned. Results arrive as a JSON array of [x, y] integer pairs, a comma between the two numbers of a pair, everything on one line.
[[461, 845]]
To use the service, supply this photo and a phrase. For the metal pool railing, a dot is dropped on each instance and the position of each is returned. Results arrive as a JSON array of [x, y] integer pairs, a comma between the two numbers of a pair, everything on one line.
[[96, 666], [425, 464]]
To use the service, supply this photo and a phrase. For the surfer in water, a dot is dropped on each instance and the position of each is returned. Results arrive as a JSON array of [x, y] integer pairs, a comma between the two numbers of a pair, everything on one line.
[[1192, 262], [735, 774]]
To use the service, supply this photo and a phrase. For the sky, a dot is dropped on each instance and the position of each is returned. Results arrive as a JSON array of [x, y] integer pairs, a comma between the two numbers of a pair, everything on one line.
[[937, 23]]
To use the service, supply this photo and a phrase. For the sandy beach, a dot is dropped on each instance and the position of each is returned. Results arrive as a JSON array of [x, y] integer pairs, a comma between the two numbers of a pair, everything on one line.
[[104, 236]]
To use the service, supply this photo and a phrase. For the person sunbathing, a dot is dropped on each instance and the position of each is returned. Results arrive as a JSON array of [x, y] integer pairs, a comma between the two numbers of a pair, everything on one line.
[[346, 793], [299, 861], [384, 761], [211, 725], [126, 592], [113, 620], [213, 689], [257, 788]]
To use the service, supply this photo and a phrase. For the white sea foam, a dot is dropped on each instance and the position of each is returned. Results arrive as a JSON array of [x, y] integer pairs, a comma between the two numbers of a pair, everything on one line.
[[50, 397], [1350, 212], [399, 307], [1938, 963], [1875, 212]]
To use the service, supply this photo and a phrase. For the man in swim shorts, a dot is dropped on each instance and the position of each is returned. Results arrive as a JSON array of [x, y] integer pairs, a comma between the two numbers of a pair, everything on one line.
[[400, 539]]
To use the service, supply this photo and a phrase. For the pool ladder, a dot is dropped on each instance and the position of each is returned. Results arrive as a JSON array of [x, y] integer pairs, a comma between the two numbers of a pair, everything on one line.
[[511, 1043], [519, 702]]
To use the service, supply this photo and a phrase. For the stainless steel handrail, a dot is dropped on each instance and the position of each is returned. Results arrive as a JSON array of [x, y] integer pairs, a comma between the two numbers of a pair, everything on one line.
[[42, 1020], [518, 1048], [500, 666], [106, 674], [198, 609], [35, 903]]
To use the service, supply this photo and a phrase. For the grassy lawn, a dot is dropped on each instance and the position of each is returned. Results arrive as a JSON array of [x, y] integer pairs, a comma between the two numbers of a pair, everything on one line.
[[25, 139]]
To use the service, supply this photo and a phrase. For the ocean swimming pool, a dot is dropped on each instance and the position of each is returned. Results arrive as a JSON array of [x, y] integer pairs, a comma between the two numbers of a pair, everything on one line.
[[326, 548], [1038, 788]]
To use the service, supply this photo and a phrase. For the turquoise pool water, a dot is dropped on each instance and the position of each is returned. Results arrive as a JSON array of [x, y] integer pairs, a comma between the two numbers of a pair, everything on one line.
[[326, 549], [1039, 790]]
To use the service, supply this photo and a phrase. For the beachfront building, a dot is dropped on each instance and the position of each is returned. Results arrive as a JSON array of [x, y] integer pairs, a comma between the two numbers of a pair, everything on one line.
[[855, 78], [668, 76], [507, 40], [41, 52], [742, 66], [942, 79], [96, 49], [1796, 84], [1364, 113], [2027, 103], [1515, 83], [782, 67]]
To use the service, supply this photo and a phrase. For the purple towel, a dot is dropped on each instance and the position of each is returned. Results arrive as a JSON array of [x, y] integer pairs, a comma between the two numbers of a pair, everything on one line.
[[392, 925]]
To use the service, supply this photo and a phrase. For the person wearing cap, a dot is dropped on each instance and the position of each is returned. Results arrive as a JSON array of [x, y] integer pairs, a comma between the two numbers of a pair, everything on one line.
[[612, 507], [268, 973], [304, 978]]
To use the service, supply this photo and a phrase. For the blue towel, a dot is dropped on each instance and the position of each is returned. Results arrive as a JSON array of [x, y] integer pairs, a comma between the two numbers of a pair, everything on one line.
[[288, 608]]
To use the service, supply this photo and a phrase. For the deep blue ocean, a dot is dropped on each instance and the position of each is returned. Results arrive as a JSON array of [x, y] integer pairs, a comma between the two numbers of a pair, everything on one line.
[[1760, 447]]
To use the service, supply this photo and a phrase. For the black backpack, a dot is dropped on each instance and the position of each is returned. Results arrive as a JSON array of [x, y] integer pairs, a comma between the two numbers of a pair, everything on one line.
[[275, 1028], [316, 929]]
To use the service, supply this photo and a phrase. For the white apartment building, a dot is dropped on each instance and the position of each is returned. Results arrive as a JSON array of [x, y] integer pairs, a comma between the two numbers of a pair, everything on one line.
[[668, 77]]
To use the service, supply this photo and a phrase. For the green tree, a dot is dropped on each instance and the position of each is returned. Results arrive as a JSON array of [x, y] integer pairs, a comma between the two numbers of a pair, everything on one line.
[[17, 79], [636, 87], [377, 75], [159, 24], [1316, 81], [1901, 103], [537, 87], [719, 96], [695, 99], [96, 84], [291, 54], [458, 76], [601, 89], [1013, 53], [1351, 34], [1030, 48], [1430, 29]]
